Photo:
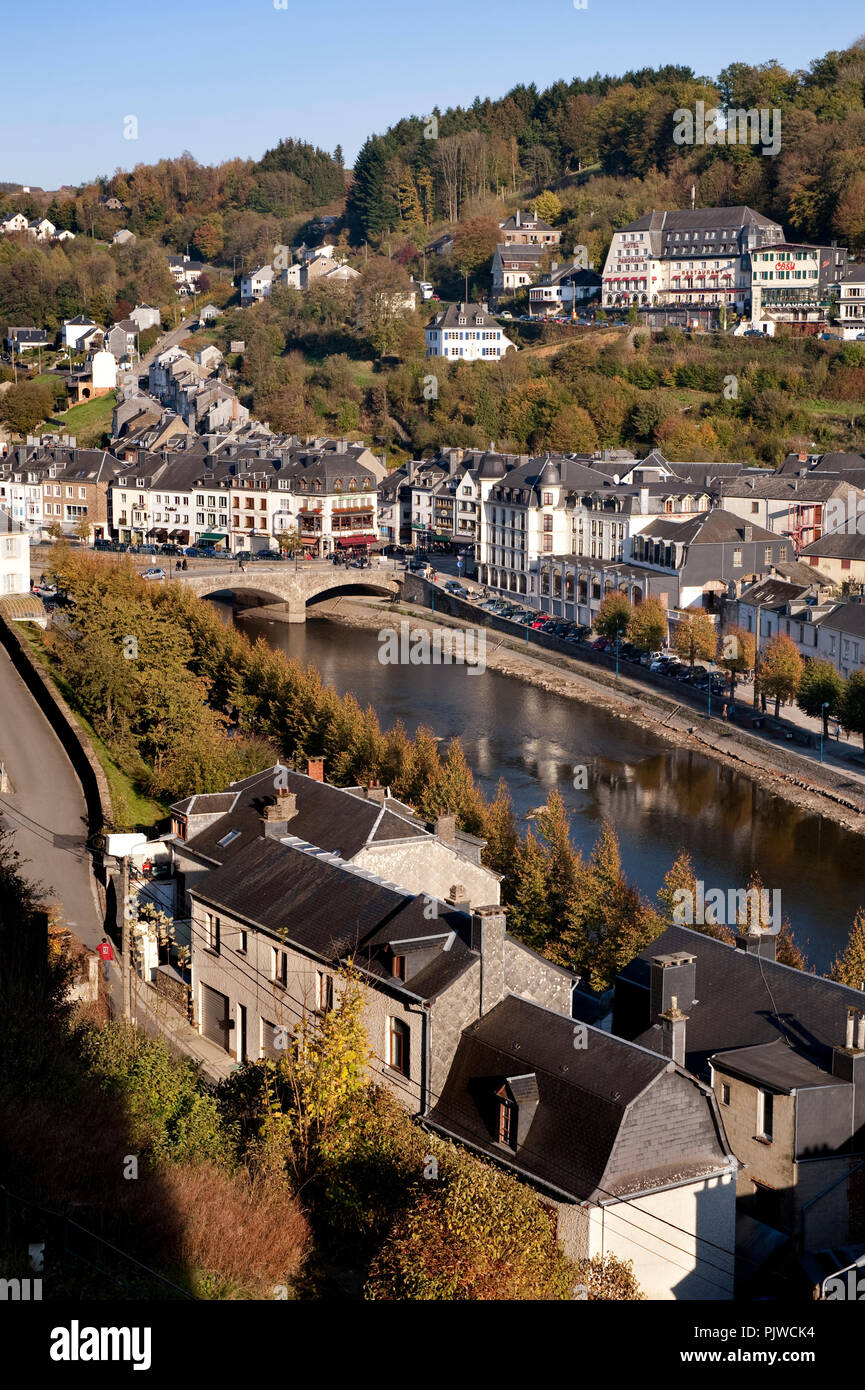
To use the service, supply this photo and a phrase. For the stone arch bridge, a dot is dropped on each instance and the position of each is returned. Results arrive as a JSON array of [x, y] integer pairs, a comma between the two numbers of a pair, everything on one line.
[[263, 585]]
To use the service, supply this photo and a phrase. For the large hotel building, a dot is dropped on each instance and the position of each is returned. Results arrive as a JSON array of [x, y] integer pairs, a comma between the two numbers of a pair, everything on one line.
[[694, 260]]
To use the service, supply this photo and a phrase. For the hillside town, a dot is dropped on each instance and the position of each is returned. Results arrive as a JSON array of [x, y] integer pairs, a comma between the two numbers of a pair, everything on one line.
[[432, 675]]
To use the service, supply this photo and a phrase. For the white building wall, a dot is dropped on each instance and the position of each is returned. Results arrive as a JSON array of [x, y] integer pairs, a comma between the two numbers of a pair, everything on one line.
[[680, 1241]]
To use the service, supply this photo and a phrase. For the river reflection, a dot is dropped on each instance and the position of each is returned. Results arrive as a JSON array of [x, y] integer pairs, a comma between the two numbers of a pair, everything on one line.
[[660, 799]]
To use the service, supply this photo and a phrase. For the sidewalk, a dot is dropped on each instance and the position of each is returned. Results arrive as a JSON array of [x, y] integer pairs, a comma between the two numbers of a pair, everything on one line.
[[157, 1017]]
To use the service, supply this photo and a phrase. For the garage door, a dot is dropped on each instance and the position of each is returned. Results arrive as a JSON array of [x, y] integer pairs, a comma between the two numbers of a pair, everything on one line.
[[214, 1016]]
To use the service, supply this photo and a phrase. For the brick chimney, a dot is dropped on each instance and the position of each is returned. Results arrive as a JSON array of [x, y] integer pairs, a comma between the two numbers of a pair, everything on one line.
[[375, 792], [459, 898], [673, 1025], [488, 938], [446, 828], [315, 769]]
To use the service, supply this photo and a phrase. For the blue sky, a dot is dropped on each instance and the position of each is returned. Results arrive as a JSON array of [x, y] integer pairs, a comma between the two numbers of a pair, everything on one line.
[[224, 80]]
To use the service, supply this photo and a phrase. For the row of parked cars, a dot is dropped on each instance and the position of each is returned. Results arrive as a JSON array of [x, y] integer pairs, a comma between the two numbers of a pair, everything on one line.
[[664, 663]]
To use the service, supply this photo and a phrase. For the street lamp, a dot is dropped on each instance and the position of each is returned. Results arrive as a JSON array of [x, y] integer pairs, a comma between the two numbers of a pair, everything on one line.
[[824, 706], [618, 641]]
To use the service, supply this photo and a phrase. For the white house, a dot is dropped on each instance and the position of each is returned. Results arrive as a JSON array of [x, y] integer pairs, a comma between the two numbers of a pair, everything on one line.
[[15, 222], [467, 332], [74, 330], [14, 556], [42, 229], [851, 304], [145, 316], [256, 285], [123, 238]]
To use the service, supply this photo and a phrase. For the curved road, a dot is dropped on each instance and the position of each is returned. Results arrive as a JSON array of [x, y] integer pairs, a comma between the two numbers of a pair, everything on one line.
[[46, 808]]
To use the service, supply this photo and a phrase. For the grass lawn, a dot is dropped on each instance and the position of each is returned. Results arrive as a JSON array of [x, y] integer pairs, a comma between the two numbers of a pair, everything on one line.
[[132, 810], [88, 421]]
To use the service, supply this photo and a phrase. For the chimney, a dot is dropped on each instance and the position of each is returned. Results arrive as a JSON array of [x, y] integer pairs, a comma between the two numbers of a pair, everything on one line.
[[673, 1025], [749, 533], [758, 943], [445, 828], [375, 792], [644, 501], [488, 938], [672, 976], [517, 218], [848, 1062], [315, 769], [278, 813], [459, 898]]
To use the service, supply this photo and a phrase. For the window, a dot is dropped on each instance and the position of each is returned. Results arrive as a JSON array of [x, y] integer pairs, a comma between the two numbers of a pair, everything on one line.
[[279, 966], [737, 557], [211, 932], [755, 507], [765, 1114], [397, 967], [244, 942], [398, 1051], [548, 499], [725, 1094], [324, 992], [506, 1122]]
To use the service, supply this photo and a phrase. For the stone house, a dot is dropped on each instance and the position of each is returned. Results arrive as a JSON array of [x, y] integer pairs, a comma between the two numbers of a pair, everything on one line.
[[784, 1052]]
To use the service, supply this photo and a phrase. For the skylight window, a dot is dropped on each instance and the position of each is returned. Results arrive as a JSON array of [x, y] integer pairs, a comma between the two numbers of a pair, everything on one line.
[[227, 839]]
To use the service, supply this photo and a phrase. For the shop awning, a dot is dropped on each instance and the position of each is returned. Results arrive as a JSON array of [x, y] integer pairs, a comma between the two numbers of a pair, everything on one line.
[[212, 538], [355, 540]]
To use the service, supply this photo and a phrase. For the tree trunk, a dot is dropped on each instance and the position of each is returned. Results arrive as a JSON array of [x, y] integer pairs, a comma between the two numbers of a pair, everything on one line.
[[777, 705]]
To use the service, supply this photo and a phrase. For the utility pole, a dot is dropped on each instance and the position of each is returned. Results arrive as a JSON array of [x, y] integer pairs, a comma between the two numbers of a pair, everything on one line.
[[125, 953]]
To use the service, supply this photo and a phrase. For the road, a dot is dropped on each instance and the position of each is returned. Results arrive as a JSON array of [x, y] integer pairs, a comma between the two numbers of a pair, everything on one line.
[[46, 808]]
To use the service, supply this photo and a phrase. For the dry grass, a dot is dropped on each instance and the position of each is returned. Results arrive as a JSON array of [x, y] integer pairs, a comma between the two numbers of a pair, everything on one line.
[[239, 1235]]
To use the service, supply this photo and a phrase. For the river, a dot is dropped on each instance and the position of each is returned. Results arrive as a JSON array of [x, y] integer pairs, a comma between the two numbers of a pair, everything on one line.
[[660, 799]]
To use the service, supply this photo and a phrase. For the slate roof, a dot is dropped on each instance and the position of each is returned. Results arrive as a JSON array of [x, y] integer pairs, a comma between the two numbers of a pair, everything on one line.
[[710, 528], [837, 545], [772, 593], [332, 910], [774, 1064], [782, 486], [735, 992], [583, 1097], [338, 820], [847, 617]]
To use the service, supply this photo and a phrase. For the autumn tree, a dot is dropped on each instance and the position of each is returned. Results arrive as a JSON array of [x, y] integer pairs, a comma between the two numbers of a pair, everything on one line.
[[548, 207], [474, 244], [614, 615], [848, 967], [851, 708], [694, 637], [383, 289], [680, 880], [820, 690], [780, 670], [473, 1234], [735, 653], [313, 1090], [647, 626]]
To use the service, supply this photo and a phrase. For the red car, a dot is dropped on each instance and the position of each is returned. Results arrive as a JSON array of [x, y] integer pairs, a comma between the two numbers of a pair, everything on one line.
[[540, 620], [601, 644]]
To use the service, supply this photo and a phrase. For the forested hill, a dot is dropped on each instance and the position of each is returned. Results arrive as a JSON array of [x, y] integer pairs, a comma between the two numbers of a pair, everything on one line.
[[622, 128]]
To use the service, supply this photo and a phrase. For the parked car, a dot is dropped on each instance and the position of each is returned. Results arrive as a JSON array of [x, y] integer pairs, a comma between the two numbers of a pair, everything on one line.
[[155, 573], [147, 550], [454, 587], [600, 644]]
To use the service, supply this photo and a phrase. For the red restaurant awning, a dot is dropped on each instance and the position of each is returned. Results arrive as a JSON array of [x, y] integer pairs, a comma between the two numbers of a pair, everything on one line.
[[355, 540]]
